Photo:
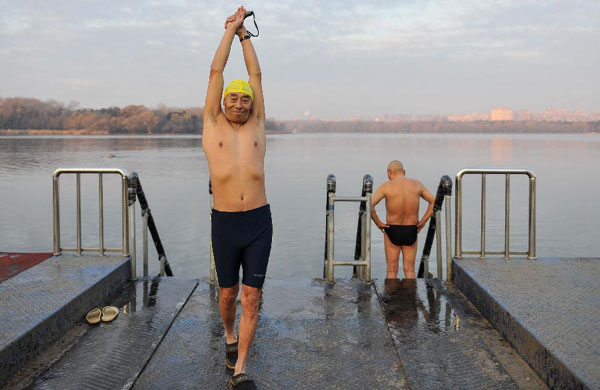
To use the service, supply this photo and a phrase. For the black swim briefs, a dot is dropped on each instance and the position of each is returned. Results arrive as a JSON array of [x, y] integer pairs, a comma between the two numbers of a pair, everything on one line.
[[242, 238], [402, 234]]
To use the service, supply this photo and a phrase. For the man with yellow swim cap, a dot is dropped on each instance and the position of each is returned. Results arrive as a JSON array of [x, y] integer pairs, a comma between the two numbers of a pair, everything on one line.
[[234, 142]]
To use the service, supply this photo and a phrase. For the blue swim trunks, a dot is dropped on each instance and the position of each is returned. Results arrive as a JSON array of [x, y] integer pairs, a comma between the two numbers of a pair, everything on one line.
[[242, 238]]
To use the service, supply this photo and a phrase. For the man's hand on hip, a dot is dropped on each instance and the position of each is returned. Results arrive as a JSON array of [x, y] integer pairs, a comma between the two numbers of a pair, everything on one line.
[[382, 227]]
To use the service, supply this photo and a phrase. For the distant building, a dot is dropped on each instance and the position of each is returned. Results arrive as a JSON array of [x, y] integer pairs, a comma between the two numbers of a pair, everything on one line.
[[476, 116], [524, 115], [501, 114]]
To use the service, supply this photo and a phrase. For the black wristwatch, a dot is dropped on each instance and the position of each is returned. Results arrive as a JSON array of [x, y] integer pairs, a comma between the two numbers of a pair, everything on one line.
[[247, 36]]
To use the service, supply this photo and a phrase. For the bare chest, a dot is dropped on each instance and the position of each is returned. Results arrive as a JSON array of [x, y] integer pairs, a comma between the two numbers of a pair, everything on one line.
[[228, 150]]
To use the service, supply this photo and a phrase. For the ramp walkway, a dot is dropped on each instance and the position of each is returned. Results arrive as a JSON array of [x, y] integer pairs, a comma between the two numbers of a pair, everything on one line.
[[546, 308], [311, 335]]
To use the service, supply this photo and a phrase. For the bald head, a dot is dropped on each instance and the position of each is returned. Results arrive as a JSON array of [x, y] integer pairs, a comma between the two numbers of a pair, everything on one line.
[[395, 168]]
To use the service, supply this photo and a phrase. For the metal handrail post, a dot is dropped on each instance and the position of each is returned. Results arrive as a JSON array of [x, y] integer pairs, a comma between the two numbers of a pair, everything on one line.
[[124, 215], [361, 237], [145, 241], [331, 186], [426, 268], [78, 213], [367, 244], [458, 219], [212, 278], [447, 206], [438, 243], [100, 215], [532, 224], [330, 230], [152, 228], [131, 196], [483, 210], [507, 217], [56, 215]]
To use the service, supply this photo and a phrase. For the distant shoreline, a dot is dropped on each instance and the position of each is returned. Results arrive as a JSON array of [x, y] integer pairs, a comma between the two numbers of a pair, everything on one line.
[[102, 133]]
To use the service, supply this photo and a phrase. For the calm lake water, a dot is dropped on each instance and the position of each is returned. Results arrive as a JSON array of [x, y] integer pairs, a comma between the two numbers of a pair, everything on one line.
[[174, 175]]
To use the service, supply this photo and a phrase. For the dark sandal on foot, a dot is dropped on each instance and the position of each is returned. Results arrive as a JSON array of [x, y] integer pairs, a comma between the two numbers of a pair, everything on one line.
[[231, 355], [242, 382]]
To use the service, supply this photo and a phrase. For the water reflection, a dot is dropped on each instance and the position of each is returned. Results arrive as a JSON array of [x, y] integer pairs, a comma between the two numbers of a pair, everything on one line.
[[128, 300], [411, 305]]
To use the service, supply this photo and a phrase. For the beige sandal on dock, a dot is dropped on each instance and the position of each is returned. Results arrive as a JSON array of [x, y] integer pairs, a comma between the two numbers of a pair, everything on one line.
[[93, 317], [109, 313]]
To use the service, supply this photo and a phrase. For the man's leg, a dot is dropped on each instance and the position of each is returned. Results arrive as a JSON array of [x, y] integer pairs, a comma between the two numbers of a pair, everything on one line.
[[409, 254], [227, 307], [392, 252], [248, 322]]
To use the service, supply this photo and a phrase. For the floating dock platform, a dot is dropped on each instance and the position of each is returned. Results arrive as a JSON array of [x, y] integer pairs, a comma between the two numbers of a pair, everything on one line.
[[393, 334], [547, 309]]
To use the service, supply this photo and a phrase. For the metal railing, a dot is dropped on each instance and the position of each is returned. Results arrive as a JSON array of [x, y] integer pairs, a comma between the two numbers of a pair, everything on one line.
[[365, 231], [361, 239], [532, 209], [56, 210], [130, 190], [213, 269], [442, 198], [148, 225]]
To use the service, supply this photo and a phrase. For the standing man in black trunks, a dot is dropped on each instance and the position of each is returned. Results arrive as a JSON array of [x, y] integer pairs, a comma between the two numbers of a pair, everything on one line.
[[402, 196], [234, 142]]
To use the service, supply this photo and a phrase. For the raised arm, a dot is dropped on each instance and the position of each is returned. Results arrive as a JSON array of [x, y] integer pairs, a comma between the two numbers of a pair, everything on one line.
[[212, 105], [375, 199], [254, 73], [425, 194]]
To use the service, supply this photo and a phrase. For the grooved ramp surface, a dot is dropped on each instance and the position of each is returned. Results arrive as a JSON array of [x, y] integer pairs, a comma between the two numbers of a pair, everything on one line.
[[111, 355], [310, 336], [443, 342], [547, 308], [40, 304]]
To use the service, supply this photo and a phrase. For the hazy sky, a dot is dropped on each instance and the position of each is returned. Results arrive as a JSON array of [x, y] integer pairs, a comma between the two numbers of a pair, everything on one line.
[[328, 59]]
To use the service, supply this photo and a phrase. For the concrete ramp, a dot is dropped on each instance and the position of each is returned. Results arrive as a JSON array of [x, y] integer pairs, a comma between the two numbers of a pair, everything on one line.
[[310, 336]]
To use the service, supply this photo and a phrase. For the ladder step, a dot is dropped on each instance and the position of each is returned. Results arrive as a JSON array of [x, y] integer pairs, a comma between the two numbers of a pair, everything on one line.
[[350, 262]]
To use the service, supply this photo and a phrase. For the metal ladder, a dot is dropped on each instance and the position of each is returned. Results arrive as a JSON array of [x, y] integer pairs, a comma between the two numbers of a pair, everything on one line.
[[362, 262], [442, 198]]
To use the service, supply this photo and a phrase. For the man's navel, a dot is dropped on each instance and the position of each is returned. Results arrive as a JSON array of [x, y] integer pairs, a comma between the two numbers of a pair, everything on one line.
[[221, 144]]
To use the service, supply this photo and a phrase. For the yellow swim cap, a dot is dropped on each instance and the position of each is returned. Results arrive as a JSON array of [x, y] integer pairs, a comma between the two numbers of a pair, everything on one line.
[[239, 86]]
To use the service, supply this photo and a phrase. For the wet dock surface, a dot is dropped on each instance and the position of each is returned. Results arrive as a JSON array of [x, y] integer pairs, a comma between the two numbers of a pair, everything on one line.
[[443, 341], [43, 302], [547, 309], [310, 336], [111, 355], [396, 335]]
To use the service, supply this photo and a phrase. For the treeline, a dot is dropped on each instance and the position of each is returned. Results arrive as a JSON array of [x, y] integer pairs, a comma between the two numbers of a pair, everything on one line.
[[316, 126], [29, 115], [32, 114]]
